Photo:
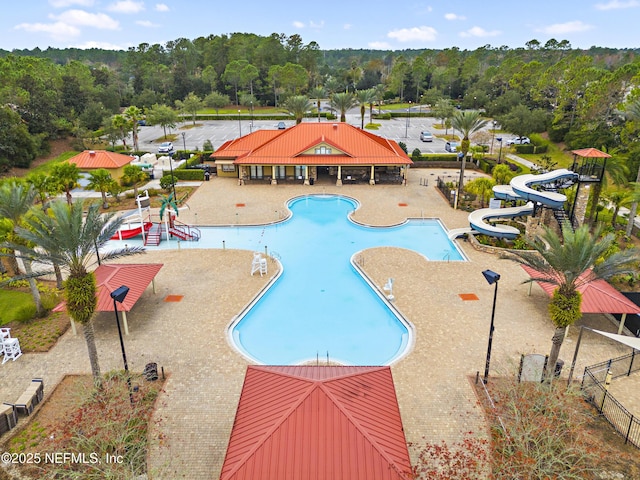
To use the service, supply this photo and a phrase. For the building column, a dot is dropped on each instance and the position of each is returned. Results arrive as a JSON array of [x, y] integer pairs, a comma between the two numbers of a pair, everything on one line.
[[306, 174], [372, 180], [339, 180]]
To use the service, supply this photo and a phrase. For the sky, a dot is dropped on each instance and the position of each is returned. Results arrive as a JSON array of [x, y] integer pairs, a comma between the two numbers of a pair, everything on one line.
[[374, 24]]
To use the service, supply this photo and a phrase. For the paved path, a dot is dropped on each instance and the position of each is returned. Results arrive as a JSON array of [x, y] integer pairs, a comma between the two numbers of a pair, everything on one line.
[[195, 414]]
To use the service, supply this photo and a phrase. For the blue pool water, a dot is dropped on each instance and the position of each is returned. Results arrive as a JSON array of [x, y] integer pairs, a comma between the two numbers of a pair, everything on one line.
[[321, 305]]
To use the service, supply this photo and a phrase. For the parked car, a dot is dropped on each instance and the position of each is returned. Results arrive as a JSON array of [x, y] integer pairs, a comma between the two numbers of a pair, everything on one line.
[[165, 147], [281, 126], [451, 147], [518, 141], [426, 136]]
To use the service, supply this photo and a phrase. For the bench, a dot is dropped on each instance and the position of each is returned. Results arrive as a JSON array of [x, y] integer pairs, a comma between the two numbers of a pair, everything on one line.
[[8, 417], [31, 397]]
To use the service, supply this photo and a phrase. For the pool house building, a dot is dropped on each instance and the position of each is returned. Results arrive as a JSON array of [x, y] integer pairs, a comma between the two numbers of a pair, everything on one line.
[[313, 152]]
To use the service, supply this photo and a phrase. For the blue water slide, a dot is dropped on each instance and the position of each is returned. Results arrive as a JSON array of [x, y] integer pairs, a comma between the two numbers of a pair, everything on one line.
[[477, 220], [520, 188]]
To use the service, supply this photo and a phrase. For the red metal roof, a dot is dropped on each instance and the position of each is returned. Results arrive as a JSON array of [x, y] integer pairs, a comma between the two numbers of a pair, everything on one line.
[[110, 277], [590, 153], [598, 296], [317, 423], [350, 146], [92, 159]]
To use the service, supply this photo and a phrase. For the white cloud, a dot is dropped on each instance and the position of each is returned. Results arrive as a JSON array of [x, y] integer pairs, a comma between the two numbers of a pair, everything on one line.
[[161, 7], [298, 24], [347, 26], [379, 46], [422, 33], [453, 16], [82, 18], [68, 3], [479, 32], [147, 23], [126, 6], [102, 45], [617, 4], [564, 28], [313, 24], [58, 31]]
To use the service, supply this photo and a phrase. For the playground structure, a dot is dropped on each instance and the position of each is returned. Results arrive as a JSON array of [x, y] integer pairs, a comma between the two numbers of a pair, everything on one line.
[[140, 222], [540, 192]]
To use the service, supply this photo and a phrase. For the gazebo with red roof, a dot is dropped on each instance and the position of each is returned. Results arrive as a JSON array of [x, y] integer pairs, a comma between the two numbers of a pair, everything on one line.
[[109, 277], [309, 151], [598, 296], [317, 423], [589, 164]]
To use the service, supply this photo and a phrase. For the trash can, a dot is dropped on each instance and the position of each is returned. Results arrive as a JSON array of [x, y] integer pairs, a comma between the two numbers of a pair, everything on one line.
[[311, 180], [207, 175], [558, 370], [151, 372]]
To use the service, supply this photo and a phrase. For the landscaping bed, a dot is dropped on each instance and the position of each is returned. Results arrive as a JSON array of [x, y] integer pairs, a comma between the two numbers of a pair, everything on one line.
[[107, 435]]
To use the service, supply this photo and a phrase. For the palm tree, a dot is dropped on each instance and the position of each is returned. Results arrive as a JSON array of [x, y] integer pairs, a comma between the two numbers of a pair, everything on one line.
[[133, 114], [65, 176], [364, 98], [100, 181], [568, 263], [67, 238], [16, 199], [633, 113], [618, 198], [466, 122], [342, 102], [42, 185], [297, 106], [318, 93], [482, 187], [134, 174], [378, 95]]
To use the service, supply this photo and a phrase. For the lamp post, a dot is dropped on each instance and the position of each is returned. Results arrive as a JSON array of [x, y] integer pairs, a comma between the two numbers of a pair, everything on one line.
[[500, 153], [184, 144], [239, 123], [492, 278], [173, 179], [251, 124], [118, 295], [493, 134]]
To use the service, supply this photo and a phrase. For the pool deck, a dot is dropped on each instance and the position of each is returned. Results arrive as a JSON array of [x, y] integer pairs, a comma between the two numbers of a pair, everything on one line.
[[195, 415]]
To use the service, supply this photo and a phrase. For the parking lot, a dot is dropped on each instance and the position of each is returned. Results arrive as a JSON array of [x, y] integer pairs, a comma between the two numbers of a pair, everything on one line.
[[405, 130]]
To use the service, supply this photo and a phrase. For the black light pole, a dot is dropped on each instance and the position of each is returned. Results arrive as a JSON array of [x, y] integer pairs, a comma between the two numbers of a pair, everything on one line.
[[173, 179], [499, 154], [493, 134], [251, 124], [184, 144], [492, 278], [118, 295]]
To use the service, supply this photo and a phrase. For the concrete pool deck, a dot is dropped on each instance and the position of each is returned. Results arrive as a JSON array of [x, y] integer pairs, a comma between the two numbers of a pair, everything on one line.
[[195, 415]]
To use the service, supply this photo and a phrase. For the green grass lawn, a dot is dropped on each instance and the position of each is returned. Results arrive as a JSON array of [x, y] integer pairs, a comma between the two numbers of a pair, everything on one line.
[[15, 306], [46, 167]]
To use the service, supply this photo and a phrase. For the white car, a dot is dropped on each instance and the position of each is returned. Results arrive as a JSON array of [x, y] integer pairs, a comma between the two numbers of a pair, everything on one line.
[[518, 141], [165, 147], [426, 136]]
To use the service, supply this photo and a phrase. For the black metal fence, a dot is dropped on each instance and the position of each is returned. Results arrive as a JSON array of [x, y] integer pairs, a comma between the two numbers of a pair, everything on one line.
[[448, 192], [595, 388]]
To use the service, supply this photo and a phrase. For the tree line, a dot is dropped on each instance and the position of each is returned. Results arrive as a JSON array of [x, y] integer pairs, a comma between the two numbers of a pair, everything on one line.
[[580, 97]]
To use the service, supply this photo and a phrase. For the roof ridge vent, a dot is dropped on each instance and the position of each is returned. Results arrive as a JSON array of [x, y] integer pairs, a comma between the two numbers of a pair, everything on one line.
[[335, 125], [92, 152]]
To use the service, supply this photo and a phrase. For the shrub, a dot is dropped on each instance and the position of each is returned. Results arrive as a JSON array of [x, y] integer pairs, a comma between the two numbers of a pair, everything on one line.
[[207, 146], [525, 148], [185, 174], [24, 313], [403, 146], [416, 155], [168, 181]]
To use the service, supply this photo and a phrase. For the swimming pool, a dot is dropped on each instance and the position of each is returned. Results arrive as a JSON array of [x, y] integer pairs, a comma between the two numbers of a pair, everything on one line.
[[320, 305]]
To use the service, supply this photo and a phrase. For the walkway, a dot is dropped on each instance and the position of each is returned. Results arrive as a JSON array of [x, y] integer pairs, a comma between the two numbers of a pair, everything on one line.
[[205, 375]]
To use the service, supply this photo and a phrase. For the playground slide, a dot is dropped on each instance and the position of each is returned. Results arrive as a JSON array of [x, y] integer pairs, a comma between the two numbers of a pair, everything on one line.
[[520, 189]]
